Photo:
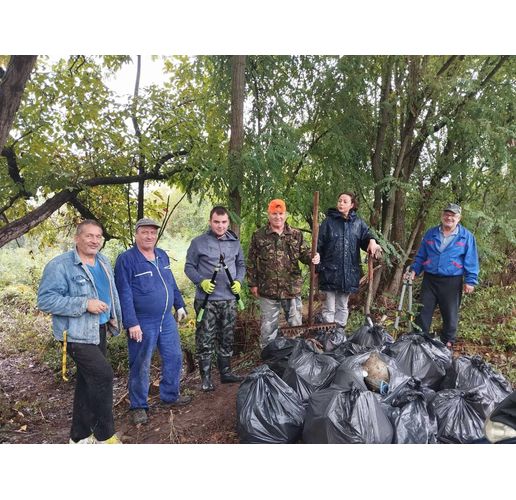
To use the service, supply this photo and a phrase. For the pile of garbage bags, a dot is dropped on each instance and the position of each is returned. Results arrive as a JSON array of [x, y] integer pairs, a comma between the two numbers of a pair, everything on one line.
[[368, 388]]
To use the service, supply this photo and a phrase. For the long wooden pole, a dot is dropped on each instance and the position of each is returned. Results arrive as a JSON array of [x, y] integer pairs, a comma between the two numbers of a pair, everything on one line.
[[315, 237]]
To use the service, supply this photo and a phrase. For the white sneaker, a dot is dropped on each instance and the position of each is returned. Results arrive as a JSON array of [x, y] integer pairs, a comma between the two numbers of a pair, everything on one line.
[[87, 440]]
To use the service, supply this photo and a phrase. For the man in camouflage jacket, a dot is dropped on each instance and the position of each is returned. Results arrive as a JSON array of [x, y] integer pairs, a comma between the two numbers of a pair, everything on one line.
[[273, 271]]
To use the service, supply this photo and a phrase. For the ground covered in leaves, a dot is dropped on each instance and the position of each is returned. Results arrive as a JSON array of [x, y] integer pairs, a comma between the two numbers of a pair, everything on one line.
[[35, 404], [36, 407]]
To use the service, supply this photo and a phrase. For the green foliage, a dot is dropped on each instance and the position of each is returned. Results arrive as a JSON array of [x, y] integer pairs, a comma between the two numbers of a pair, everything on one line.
[[23, 265], [487, 317]]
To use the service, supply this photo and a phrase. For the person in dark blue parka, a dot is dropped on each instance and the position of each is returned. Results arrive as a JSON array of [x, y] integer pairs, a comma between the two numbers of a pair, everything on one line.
[[148, 292], [341, 236]]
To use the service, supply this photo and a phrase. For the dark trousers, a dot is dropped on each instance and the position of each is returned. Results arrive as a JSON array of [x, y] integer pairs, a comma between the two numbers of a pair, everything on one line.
[[445, 292], [93, 400]]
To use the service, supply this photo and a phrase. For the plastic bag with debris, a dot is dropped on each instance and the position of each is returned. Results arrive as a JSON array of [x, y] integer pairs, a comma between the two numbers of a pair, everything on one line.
[[346, 416], [268, 410]]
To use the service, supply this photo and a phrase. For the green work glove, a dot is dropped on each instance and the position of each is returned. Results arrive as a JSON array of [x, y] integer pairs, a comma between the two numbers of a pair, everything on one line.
[[207, 286], [236, 287]]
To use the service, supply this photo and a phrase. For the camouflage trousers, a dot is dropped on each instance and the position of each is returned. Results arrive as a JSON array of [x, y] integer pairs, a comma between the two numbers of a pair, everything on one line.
[[269, 316], [215, 332]]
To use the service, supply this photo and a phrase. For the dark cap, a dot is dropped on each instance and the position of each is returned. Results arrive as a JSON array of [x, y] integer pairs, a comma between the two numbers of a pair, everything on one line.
[[452, 207], [146, 222]]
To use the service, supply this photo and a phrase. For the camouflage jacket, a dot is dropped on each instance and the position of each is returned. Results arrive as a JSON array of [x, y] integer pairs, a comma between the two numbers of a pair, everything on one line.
[[273, 262]]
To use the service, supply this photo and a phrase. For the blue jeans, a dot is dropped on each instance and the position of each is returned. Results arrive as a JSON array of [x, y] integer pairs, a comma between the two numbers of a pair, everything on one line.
[[140, 355]]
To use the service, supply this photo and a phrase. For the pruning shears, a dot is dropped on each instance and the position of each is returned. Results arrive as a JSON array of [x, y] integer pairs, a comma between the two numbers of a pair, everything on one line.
[[231, 282], [407, 283], [213, 281]]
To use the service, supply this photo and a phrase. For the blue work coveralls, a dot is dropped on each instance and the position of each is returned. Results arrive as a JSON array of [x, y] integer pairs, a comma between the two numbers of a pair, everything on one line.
[[147, 292]]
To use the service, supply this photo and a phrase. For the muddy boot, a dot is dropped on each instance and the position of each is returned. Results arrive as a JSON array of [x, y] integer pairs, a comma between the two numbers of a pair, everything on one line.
[[226, 377], [205, 371]]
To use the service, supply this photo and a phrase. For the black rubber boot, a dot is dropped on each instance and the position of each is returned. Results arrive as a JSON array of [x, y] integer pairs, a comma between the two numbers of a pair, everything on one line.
[[226, 377], [205, 371]]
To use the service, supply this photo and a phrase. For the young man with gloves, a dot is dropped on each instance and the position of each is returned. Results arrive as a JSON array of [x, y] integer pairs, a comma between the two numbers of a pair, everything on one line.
[[148, 292], [205, 258]]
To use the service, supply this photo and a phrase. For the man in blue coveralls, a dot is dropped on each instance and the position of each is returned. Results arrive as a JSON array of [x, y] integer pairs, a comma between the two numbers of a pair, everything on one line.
[[148, 291]]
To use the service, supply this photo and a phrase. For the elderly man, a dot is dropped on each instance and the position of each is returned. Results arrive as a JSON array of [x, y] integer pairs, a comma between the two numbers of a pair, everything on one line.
[[148, 291], [448, 256], [215, 327], [273, 271], [78, 289]]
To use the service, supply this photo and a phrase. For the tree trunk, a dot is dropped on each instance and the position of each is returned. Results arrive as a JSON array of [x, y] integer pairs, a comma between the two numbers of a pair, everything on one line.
[[383, 123], [138, 133], [236, 141], [12, 86]]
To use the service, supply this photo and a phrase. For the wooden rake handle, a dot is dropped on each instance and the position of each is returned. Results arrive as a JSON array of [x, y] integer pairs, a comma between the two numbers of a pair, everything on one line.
[[370, 272], [315, 237]]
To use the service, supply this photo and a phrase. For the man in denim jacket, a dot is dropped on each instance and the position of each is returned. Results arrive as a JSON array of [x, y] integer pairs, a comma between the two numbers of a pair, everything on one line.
[[448, 256], [78, 289]]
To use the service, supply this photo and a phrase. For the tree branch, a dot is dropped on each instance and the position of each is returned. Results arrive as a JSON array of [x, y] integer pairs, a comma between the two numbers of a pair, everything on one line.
[[87, 213], [20, 226], [14, 171]]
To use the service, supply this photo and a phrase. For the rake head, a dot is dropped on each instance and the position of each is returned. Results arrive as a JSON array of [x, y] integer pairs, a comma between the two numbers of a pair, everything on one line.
[[306, 331]]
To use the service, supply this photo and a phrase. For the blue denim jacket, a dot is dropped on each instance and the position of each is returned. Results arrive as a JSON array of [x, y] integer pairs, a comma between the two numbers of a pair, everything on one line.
[[64, 290]]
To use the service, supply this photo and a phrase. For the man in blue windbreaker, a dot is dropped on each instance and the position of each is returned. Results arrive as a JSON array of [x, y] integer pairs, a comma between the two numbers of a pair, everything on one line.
[[148, 292], [448, 256]]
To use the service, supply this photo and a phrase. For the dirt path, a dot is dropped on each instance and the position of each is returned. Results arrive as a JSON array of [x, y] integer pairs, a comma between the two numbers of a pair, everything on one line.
[[35, 407]]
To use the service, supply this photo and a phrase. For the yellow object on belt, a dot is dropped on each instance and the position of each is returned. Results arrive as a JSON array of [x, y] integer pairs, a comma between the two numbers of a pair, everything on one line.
[[63, 360]]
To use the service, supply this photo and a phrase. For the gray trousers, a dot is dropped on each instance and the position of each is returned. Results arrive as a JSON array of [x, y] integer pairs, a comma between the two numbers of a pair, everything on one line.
[[335, 308], [269, 315]]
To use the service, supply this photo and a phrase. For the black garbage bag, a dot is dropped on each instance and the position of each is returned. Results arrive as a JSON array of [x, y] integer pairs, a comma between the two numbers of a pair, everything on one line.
[[335, 416], [408, 408], [420, 356], [468, 372], [371, 336], [505, 412], [331, 339], [277, 352], [347, 349], [268, 410], [308, 370], [353, 371], [460, 415]]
